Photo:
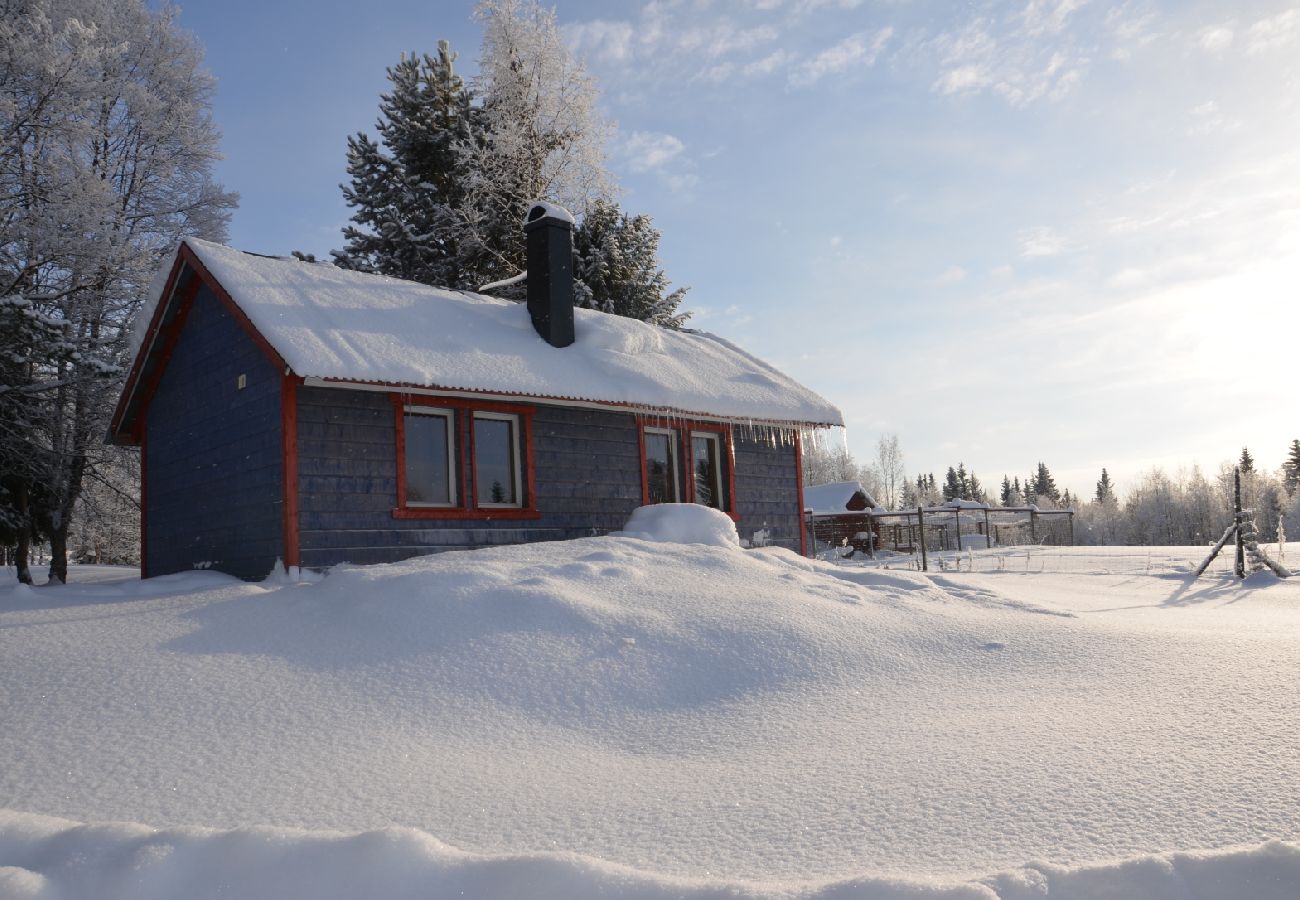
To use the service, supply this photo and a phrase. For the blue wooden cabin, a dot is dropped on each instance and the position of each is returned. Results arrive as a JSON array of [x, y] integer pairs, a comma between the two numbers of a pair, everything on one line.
[[288, 410]]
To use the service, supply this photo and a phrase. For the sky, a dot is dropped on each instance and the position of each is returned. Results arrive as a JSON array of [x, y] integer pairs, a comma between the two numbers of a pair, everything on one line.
[[1064, 231]]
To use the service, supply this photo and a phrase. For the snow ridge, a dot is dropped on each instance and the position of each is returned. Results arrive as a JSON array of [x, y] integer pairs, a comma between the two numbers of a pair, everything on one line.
[[55, 859]]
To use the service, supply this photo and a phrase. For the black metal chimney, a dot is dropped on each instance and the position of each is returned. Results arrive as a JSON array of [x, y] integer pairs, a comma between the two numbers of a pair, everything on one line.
[[549, 234]]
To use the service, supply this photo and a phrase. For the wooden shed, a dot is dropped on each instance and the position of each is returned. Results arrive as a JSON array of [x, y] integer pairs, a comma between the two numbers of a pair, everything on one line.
[[293, 411], [840, 514]]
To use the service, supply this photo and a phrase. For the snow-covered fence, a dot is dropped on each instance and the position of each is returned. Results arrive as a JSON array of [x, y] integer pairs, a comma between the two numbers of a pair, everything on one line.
[[973, 526], [1065, 560]]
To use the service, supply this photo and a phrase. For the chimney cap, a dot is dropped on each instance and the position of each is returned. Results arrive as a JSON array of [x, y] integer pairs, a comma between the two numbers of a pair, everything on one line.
[[540, 209]]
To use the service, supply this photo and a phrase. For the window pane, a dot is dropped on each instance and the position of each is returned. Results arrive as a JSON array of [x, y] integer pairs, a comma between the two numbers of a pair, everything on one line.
[[494, 461], [427, 470], [708, 486], [660, 477]]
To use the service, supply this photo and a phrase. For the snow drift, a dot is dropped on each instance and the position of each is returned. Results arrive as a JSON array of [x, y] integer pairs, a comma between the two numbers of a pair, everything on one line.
[[52, 859], [635, 718]]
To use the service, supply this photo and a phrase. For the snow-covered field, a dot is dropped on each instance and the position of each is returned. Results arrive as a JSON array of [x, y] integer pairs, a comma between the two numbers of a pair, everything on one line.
[[619, 717]]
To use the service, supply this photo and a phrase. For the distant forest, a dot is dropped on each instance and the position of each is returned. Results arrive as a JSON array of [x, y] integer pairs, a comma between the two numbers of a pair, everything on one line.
[[1187, 507]]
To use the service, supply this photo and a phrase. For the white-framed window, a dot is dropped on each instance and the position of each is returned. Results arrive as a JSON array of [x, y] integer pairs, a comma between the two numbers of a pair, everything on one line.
[[430, 435], [707, 463], [661, 478], [498, 480]]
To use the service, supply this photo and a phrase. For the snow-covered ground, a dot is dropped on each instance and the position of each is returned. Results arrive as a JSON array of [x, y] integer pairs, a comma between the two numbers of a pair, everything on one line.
[[622, 717]]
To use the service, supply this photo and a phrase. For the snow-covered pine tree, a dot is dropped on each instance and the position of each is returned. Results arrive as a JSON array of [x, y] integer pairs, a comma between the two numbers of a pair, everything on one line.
[[952, 485], [616, 267], [33, 349], [1044, 485], [408, 190], [1291, 469], [1105, 495], [930, 494], [106, 162]]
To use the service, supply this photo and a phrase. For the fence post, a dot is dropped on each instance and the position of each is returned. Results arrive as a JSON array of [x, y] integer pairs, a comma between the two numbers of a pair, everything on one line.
[[988, 532], [1071, 528], [1033, 526], [920, 519]]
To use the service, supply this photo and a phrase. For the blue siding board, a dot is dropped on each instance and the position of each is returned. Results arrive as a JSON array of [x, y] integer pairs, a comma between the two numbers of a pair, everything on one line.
[[214, 491], [588, 478]]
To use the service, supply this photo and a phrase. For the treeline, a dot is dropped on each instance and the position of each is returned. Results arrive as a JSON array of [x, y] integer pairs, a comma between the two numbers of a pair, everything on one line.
[[1183, 508]]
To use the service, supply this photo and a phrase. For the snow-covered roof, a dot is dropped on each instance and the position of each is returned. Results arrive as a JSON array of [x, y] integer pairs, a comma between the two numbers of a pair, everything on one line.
[[965, 504], [332, 323], [837, 498]]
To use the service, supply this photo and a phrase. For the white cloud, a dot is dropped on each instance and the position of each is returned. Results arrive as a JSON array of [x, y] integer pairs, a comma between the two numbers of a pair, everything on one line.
[[803, 7], [767, 64], [1048, 16], [1040, 241], [970, 77], [662, 155], [1215, 38], [1131, 27], [1208, 119], [1276, 31], [951, 275], [858, 50], [601, 40], [1022, 59], [647, 150]]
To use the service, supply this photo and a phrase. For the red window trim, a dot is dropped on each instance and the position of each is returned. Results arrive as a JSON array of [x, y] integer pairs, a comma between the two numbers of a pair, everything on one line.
[[686, 456], [463, 464], [798, 480]]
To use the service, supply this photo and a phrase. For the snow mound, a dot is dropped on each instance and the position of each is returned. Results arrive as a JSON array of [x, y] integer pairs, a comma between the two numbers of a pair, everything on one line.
[[54, 859], [682, 523], [613, 717]]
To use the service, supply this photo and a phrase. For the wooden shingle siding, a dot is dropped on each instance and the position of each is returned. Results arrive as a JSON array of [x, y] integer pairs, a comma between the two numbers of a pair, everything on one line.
[[767, 491], [214, 452], [588, 481]]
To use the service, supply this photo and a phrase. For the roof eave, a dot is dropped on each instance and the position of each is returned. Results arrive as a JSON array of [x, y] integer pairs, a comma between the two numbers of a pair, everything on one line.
[[575, 402]]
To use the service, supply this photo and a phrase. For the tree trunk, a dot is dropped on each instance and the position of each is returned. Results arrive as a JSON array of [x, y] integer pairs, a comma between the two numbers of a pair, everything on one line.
[[59, 553], [24, 548]]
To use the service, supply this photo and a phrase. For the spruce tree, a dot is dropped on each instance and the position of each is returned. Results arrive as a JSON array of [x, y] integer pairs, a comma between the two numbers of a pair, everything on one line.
[[1247, 462], [1044, 485], [441, 196], [1005, 494], [1105, 495], [952, 487], [1291, 469], [409, 193], [34, 350], [616, 267]]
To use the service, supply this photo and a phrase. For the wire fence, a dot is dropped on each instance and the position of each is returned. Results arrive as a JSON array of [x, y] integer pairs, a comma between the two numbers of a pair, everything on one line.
[[1065, 560]]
